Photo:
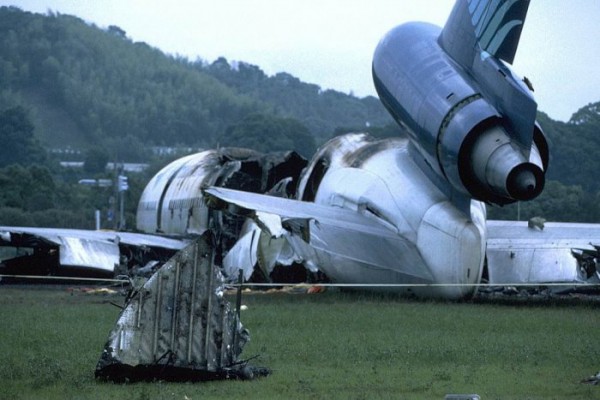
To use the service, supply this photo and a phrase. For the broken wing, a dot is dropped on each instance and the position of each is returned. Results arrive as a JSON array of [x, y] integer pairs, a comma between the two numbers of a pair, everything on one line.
[[317, 235]]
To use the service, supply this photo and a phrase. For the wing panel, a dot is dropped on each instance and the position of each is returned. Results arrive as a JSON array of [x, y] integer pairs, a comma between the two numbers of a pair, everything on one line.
[[517, 253], [89, 253], [348, 246], [294, 209]]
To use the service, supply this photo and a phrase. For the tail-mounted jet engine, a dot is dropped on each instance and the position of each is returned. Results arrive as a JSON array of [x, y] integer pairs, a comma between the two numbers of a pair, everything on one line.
[[473, 126]]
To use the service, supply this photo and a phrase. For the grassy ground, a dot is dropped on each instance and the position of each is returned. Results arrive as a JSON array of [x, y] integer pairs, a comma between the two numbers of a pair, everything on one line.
[[332, 345]]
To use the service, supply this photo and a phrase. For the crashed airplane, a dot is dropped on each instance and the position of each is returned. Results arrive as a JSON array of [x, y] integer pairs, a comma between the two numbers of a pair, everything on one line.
[[406, 214], [411, 211]]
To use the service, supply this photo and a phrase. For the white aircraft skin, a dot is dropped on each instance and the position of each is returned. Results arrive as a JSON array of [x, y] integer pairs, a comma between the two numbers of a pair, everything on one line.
[[378, 223], [437, 240]]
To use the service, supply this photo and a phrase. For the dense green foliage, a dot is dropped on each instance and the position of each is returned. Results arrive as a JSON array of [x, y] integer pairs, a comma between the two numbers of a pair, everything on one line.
[[321, 111], [334, 345], [286, 134], [89, 86], [34, 195], [107, 86], [19, 145], [36, 191], [68, 85]]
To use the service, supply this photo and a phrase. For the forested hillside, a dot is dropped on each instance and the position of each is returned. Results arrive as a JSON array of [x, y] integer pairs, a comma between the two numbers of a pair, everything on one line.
[[321, 111], [85, 85], [67, 84]]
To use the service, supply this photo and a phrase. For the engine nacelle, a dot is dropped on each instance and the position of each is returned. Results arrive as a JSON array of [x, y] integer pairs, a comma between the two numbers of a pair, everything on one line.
[[457, 124]]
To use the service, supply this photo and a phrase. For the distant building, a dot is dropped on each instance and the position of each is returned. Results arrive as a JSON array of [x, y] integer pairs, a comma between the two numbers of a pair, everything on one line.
[[127, 167], [163, 151]]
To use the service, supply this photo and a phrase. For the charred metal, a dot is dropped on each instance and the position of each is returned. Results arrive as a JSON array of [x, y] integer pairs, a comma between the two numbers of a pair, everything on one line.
[[173, 202]]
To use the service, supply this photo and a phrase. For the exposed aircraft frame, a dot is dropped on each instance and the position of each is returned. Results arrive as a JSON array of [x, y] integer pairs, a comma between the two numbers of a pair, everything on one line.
[[178, 326]]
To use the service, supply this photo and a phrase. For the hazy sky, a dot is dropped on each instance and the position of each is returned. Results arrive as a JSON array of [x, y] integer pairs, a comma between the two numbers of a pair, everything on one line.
[[331, 42]]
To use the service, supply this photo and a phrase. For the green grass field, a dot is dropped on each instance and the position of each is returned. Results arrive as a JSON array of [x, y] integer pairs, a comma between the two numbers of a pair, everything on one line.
[[332, 345]]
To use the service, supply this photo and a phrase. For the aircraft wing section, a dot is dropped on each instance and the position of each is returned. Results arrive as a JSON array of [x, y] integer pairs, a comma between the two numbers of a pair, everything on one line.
[[538, 252], [81, 252], [294, 209], [322, 235]]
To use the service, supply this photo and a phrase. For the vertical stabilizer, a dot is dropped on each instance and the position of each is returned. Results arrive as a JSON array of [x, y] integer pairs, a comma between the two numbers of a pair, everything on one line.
[[493, 26]]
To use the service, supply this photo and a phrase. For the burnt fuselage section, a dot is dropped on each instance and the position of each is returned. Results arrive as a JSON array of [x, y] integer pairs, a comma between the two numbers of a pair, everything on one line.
[[172, 202]]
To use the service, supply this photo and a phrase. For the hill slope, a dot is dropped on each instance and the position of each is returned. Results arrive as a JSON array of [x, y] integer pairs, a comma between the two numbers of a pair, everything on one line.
[[85, 85]]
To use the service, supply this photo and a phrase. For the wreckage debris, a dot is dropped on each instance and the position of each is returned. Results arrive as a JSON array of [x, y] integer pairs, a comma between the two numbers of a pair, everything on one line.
[[592, 380], [178, 326]]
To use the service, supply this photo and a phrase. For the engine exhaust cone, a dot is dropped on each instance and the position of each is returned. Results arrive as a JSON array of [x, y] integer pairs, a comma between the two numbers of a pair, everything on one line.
[[525, 182]]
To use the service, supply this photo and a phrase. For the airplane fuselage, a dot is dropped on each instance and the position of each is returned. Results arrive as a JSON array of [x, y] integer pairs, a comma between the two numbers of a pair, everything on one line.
[[431, 241]]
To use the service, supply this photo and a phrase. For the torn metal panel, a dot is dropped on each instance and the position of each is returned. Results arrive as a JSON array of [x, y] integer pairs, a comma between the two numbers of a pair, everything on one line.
[[519, 252], [274, 252], [173, 201], [243, 255], [259, 247], [178, 326], [270, 223], [96, 254], [351, 232]]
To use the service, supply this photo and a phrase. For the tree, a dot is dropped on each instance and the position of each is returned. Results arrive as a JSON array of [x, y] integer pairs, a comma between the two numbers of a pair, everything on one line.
[[19, 146], [558, 202], [117, 31], [268, 133], [586, 115], [11, 216], [95, 160], [28, 188]]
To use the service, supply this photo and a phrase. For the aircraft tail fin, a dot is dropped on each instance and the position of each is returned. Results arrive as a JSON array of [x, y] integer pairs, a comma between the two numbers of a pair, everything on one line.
[[493, 26]]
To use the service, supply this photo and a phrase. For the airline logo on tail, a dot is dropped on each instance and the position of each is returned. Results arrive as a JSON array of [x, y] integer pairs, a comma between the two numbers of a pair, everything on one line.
[[498, 25]]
